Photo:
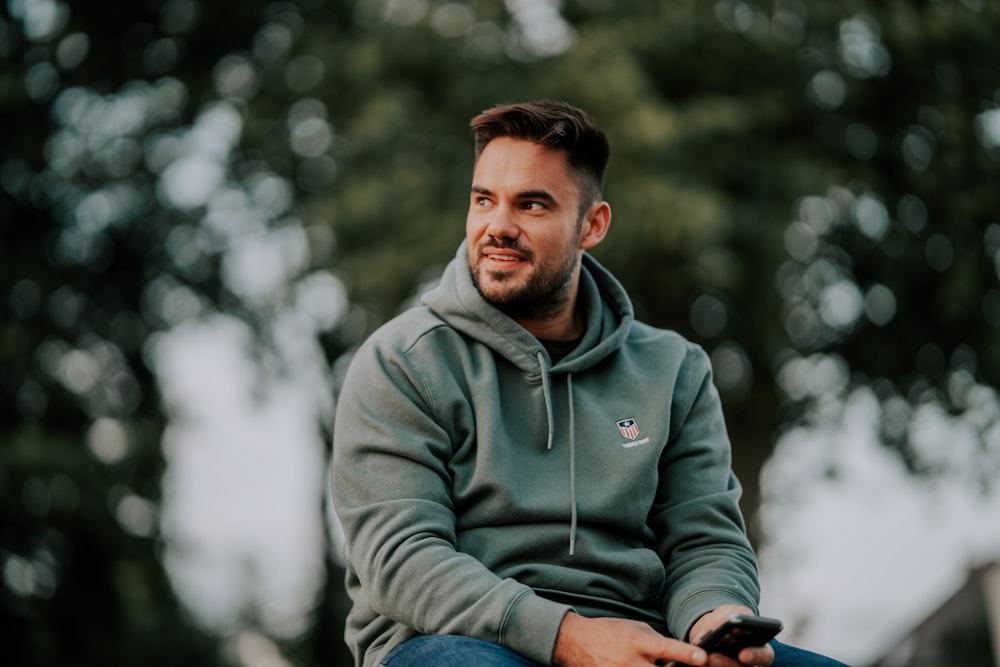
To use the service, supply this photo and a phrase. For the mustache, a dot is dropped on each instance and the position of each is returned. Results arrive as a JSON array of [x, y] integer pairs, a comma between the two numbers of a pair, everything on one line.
[[506, 244]]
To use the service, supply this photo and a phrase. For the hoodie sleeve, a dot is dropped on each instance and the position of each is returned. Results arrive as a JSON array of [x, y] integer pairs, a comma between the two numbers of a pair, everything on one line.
[[697, 518], [392, 493]]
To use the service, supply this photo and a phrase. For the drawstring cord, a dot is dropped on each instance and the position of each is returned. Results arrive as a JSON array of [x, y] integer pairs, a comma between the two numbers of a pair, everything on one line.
[[572, 466], [547, 394]]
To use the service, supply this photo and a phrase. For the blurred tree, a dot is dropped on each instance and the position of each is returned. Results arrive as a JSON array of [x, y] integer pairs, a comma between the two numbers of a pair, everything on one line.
[[102, 248]]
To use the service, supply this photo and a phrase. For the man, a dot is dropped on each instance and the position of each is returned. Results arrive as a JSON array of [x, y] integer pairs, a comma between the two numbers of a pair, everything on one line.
[[524, 473]]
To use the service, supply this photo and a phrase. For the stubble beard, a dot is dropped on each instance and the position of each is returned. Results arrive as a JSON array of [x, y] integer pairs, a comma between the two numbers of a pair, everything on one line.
[[543, 295]]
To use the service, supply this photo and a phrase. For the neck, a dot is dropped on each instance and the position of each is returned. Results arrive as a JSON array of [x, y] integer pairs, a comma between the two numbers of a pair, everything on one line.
[[566, 325]]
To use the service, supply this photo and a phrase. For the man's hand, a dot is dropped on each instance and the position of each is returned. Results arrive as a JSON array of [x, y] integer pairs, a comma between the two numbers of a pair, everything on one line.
[[761, 656], [615, 642]]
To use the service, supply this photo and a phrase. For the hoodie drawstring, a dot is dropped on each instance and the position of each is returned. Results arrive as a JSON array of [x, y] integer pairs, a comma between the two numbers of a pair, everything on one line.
[[572, 466], [547, 394]]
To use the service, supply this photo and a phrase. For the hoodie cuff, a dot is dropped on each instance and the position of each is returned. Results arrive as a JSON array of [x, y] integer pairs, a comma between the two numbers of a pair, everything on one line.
[[532, 626], [699, 604]]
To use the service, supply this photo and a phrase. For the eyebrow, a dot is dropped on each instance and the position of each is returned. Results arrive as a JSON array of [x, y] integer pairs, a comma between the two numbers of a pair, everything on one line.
[[542, 195]]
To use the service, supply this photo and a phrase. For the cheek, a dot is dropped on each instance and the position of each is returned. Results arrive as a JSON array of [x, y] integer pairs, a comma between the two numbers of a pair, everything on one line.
[[476, 225], [473, 230]]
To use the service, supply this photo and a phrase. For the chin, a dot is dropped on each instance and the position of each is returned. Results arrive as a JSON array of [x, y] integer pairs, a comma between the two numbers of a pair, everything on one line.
[[497, 295], [497, 290]]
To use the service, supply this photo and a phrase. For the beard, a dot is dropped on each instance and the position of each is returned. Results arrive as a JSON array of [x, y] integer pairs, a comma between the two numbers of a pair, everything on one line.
[[541, 295]]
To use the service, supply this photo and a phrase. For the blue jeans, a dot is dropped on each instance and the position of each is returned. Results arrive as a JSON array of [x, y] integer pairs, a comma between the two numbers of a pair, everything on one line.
[[455, 651]]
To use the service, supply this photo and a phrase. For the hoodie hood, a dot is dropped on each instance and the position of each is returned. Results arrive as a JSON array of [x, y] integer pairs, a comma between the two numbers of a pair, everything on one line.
[[604, 303]]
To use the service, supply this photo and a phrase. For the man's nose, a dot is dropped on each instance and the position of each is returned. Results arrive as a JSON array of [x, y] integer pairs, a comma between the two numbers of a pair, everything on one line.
[[502, 224]]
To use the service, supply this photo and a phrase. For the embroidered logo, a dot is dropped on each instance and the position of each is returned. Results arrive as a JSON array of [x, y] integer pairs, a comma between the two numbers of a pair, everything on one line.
[[629, 429]]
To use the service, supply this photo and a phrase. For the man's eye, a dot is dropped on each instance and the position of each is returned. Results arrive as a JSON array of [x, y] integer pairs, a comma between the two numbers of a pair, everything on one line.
[[482, 202], [533, 206]]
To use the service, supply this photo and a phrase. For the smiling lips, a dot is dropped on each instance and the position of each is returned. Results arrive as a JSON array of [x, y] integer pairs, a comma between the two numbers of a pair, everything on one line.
[[496, 257], [501, 255]]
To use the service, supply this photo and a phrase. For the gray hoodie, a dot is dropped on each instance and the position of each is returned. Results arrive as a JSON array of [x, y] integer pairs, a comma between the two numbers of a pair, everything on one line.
[[484, 491]]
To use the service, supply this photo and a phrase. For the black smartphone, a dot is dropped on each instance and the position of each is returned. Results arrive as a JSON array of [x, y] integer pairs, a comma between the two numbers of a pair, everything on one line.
[[738, 632]]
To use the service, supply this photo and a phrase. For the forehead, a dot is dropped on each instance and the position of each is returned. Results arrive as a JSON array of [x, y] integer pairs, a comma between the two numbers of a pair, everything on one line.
[[523, 165]]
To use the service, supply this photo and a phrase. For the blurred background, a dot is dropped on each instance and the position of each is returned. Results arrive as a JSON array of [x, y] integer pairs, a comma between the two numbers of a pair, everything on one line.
[[205, 206]]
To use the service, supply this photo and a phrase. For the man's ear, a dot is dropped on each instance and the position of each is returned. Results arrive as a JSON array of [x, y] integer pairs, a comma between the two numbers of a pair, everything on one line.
[[596, 221]]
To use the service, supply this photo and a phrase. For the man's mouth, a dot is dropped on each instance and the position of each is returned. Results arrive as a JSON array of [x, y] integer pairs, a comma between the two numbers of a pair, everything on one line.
[[504, 255], [502, 258]]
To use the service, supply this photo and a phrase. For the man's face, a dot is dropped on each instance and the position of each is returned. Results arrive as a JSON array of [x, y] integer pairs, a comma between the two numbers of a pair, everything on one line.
[[524, 228]]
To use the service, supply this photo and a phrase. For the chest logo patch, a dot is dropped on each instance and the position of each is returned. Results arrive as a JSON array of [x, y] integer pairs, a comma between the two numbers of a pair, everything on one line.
[[629, 428]]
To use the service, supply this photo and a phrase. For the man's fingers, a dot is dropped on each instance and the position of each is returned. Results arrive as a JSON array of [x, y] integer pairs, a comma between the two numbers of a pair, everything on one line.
[[678, 654], [757, 655], [762, 656]]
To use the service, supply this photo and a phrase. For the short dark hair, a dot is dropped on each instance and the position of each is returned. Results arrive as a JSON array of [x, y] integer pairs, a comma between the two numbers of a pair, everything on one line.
[[557, 125]]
